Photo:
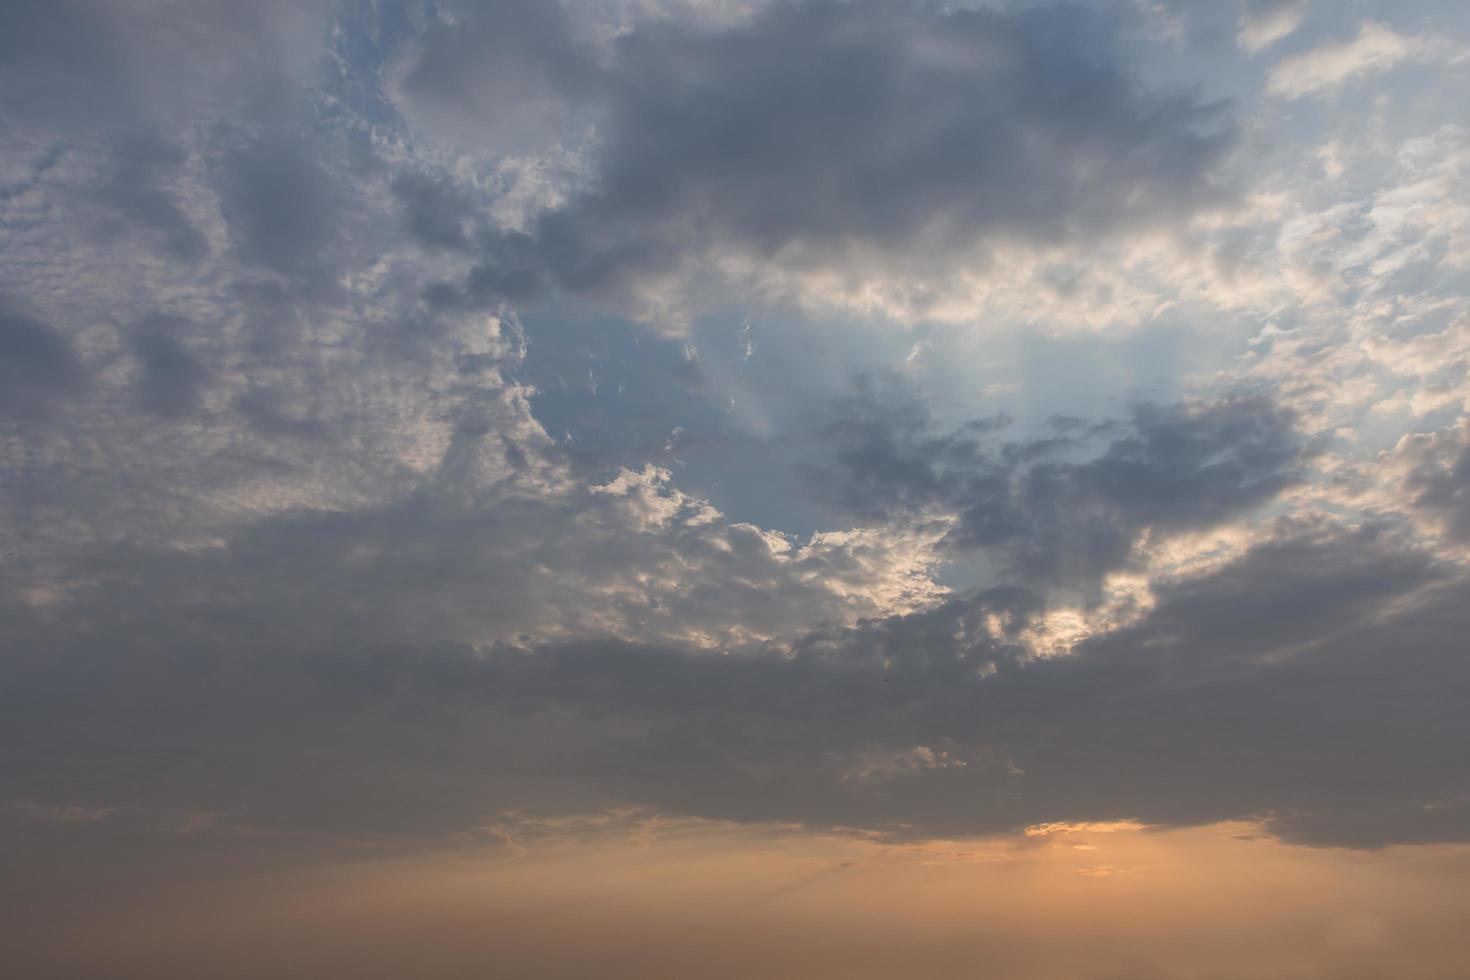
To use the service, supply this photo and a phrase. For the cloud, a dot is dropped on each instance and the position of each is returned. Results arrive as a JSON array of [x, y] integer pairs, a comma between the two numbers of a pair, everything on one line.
[[434, 210], [1234, 699], [995, 126], [1375, 48], [540, 556], [441, 507], [1435, 471], [172, 380], [1264, 22], [39, 369], [837, 138], [498, 75], [282, 206], [82, 64], [135, 187], [273, 451], [1057, 520]]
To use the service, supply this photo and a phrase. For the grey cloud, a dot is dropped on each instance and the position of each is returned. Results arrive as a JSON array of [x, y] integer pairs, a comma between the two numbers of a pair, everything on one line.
[[1299, 686], [39, 369], [172, 380], [504, 75], [275, 615], [135, 188], [820, 133], [434, 210], [509, 269], [90, 63], [1178, 469], [497, 541], [283, 207], [1276, 687], [835, 122], [1060, 518], [1438, 477], [265, 412], [57, 61]]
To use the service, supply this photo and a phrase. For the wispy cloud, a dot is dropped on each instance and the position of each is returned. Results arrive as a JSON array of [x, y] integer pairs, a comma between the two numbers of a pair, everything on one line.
[[1376, 48]]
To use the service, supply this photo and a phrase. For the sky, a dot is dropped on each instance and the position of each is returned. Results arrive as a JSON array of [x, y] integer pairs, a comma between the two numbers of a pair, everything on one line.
[[735, 488]]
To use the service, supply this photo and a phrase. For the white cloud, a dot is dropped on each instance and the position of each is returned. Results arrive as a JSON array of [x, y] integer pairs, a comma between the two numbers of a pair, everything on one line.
[[1376, 48], [1264, 22]]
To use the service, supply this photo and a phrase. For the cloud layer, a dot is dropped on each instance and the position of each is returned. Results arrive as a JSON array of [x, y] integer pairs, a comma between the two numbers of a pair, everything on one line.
[[917, 419]]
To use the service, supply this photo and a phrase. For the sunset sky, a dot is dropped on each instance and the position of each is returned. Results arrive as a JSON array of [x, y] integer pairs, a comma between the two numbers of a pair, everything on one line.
[[720, 489]]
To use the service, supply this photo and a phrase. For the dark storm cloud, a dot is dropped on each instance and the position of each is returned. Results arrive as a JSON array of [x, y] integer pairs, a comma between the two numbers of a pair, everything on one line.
[[1298, 685], [1062, 520], [39, 369]]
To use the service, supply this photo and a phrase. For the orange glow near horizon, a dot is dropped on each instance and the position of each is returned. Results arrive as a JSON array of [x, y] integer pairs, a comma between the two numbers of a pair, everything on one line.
[[626, 897]]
